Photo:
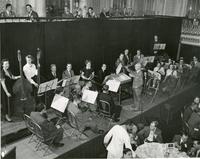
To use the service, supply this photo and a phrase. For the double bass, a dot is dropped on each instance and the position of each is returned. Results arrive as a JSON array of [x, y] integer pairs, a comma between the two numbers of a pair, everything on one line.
[[22, 89]]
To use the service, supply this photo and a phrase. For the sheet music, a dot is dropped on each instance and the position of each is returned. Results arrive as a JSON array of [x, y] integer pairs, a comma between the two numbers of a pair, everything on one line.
[[89, 96], [118, 69], [47, 86], [113, 85], [123, 77], [59, 103]]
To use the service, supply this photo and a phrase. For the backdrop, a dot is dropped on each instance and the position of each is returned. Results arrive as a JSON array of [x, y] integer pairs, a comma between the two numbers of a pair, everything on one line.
[[99, 40]]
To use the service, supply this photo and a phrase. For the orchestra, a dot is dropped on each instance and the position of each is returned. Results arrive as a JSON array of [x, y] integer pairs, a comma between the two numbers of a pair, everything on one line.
[[167, 73]]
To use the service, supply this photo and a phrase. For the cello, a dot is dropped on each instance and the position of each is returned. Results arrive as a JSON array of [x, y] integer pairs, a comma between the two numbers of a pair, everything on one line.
[[24, 102]]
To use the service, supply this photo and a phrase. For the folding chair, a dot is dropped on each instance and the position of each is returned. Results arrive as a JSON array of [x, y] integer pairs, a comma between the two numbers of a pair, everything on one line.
[[105, 110], [30, 125], [151, 88], [44, 142]]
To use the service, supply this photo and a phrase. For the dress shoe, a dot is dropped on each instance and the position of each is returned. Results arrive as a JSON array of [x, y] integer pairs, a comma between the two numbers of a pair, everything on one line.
[[58, 144], [8, 118]]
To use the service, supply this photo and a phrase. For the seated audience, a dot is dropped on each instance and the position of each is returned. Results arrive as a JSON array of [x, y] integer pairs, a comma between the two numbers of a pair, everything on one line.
[[8, 12], [67, 13], [150, 133], [190, 109], [32, 15], [91, 13], [105, 96], [127, 153], [68, 73], [84, 118], [182, 142], [51, 11], [48, 127], [103, 72], [87, 73]]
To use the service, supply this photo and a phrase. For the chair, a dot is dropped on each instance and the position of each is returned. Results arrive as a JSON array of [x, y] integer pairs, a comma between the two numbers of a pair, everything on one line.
[[30, 125], [73, 123], [44, 142], [151, 88], [105, 110]]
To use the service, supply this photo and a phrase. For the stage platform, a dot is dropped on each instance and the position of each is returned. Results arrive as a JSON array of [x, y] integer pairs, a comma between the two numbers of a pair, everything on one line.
[[92, 146]]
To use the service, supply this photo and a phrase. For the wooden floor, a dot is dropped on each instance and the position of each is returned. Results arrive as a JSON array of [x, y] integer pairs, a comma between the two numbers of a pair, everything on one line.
[[27, 150]]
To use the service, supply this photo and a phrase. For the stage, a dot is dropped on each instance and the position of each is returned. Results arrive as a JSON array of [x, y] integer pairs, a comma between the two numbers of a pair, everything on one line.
[[165, 109]]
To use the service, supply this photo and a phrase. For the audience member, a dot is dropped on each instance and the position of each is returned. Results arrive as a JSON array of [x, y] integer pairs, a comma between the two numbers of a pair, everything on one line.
[[8, 12], [51, 11], [150, 133], [105, 96], [32, 15], [190, 109], [182, 142], [103, 14], [117, 138], [48, 127], [91, 13], [67, 13]]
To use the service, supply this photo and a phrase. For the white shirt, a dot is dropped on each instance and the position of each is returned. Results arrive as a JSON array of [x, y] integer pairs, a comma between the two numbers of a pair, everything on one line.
[[119, 137], [29, 72]]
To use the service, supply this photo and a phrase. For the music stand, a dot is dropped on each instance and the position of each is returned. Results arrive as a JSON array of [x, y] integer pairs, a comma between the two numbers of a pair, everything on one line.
[[70, 81], [47, 86]]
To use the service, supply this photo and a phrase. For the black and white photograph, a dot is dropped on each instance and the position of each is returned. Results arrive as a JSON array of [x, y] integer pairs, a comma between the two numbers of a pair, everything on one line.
[[100, 79]]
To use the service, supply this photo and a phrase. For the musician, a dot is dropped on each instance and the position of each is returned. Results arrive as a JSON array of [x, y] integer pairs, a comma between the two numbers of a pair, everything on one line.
[[53, 74], [89, 86], [30, 70], [127, 59], [102, 73], [48, 127], [87, 73], [105, 96], [120, 60], [68, 73], [32, 15], [137, 57], [8, 12], [137, 85], [6, 88]]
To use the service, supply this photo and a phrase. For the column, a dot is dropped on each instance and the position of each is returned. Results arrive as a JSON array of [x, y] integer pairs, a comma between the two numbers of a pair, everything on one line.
[[82, 3]]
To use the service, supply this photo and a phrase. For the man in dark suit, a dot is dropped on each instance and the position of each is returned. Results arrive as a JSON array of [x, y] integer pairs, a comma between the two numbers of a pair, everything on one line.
[[48, 127], [53, 74], [105, 96], [194, 124], [68, 73], [182, 142], [150, 133], [190, 109], [137, 86], [127, 58], [32, 15], [8, 12], [102, 73]]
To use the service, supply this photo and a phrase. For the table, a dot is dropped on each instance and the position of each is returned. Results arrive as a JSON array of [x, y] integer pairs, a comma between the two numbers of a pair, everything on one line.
[[158, 150]]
